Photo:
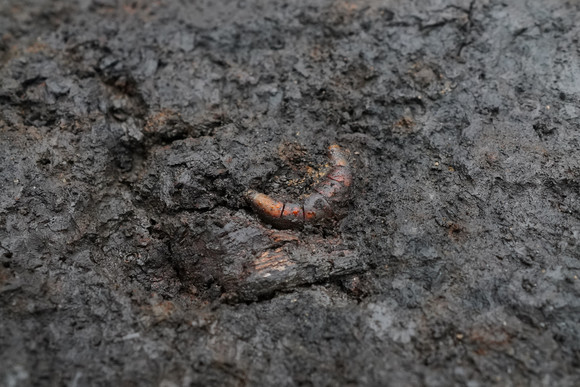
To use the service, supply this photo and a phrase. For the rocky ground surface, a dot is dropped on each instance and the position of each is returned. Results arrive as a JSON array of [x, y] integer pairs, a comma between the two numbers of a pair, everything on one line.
[[129, 131]]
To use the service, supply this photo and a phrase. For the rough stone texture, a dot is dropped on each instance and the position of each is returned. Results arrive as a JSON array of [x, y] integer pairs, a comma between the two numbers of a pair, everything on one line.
[[129, 131]]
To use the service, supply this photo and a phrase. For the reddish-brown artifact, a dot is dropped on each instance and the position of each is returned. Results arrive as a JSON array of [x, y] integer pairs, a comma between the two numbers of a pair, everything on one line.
[[325, 203]]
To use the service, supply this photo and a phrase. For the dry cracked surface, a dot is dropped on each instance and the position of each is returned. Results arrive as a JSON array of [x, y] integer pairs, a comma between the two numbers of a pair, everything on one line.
[[130, 130]]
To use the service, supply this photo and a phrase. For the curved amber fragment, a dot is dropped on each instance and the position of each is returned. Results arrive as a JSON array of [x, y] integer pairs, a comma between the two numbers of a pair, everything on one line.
[[329, 188], [316, 208], [265, 205], [341, 174], [293, 212], [327, 201]]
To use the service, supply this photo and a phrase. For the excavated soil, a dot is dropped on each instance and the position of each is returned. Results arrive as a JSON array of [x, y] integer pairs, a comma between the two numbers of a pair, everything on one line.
[[130, 130]]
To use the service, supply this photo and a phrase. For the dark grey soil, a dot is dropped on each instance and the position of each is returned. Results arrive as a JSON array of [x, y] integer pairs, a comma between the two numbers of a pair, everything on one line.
[[129, 131]]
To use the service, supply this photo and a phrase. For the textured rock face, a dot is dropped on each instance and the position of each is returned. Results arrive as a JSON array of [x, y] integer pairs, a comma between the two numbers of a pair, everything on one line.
[[129, 132]]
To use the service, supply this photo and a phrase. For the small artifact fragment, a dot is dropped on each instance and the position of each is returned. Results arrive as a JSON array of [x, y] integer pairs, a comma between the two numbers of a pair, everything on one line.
[[327, 202]]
